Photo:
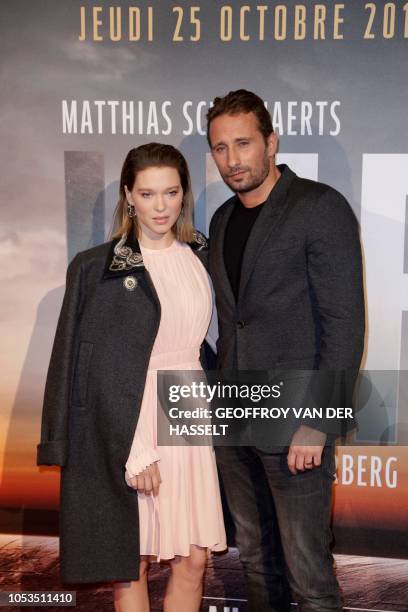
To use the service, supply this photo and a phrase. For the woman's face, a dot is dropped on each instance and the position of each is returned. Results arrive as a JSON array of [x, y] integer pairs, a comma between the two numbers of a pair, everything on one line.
[[157, 196]]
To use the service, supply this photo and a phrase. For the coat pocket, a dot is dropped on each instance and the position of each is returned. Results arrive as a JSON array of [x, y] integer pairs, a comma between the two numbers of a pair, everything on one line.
[[80, 381]]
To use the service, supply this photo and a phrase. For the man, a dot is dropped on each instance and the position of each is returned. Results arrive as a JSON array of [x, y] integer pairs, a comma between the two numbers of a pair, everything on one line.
[[285, 260]]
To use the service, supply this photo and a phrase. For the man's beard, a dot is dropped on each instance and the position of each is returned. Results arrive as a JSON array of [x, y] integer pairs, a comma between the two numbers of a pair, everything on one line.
[[254, 180]]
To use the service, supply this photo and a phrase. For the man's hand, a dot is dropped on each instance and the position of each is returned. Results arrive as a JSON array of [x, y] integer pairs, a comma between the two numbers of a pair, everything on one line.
[[305, 451], [147, 481]]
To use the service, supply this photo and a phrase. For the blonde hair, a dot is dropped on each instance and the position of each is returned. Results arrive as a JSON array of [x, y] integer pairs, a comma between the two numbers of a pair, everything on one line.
[[150, 155]]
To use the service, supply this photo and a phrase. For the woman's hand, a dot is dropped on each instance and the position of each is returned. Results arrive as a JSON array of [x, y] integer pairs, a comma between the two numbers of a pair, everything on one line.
[[147, 481]]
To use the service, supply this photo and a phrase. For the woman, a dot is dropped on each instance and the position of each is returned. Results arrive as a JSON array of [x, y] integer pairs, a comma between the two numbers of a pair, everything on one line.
[[132, 306]]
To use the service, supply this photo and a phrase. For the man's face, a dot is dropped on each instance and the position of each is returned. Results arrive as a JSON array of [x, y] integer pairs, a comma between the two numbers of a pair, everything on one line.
[[239, 149]]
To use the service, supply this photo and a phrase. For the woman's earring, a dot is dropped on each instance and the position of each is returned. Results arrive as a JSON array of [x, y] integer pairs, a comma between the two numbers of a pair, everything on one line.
[[131, 210]]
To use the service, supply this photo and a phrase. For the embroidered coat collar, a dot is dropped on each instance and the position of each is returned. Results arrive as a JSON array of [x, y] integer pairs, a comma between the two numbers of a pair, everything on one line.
[[125, 255]]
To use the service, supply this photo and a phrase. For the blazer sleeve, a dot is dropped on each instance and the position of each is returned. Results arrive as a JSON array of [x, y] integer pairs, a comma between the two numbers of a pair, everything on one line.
[[336, 283], [53, 446]]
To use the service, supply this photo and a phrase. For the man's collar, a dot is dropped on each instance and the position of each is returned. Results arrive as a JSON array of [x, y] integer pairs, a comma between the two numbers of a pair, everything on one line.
[[279, 190], [125, 254]]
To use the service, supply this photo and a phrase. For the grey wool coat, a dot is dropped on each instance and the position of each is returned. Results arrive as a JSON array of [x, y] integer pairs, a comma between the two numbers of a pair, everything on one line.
[[106, 329]]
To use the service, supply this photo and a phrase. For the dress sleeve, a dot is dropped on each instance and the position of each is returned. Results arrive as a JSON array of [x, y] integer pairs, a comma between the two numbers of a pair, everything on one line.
[[143, 451]]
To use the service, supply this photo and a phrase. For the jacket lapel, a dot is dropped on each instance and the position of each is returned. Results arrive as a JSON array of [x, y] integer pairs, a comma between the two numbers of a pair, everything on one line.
[[218, 270], [125, 254], [266, 224]]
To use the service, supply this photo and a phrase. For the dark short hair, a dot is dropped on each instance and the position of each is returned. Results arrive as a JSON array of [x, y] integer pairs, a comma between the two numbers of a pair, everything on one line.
[[241, 101]]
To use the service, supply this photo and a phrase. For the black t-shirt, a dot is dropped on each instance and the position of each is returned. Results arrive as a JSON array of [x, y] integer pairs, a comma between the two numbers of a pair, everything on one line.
[[237, 232]]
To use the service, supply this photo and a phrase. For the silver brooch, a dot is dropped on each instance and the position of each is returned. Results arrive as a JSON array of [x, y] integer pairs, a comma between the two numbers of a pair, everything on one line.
[[130, 283], [200, 239], [125, 258]]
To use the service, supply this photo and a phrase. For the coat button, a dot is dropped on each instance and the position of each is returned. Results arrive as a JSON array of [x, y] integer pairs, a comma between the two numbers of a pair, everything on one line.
[[240, 324], [130, 283]]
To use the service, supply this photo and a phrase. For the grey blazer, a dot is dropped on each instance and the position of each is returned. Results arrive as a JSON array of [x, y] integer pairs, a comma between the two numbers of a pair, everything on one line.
[[107, 326], [301, 301]]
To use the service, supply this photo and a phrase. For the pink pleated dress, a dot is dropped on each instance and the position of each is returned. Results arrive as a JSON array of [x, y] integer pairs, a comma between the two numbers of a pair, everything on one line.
[[187, 509]]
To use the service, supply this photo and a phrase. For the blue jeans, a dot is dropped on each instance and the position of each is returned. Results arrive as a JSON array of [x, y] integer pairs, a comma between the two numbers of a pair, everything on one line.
[[282, 524]]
